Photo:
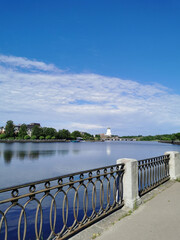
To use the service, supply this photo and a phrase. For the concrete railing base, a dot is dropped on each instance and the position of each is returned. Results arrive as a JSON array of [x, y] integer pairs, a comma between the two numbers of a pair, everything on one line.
[[174, 164], [130, 183]]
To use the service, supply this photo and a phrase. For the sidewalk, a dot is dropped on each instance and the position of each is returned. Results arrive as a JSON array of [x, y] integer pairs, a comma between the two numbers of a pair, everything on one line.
[[157, 219]]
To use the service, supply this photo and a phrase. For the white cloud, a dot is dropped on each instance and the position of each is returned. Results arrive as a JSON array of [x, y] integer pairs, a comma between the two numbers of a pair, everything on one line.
[[26, 63], [83, 101], [83, 126]]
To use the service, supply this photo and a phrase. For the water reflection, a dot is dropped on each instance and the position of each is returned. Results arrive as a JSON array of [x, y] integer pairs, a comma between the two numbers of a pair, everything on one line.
[[21, 155], [63, 152], [8, 156], [33, 155], [76, 151], [108, 150]]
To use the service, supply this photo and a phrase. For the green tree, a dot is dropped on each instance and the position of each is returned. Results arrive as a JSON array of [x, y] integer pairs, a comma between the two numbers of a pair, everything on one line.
[[88, 136], [75, 134], [2, 136], [173, 137], [22, 131], [33, 137], [49, 132], [64, 134], [97, 137], [9, 129], [177, 135], [147, 138], [26, 137], [48, 137], [37, 131]]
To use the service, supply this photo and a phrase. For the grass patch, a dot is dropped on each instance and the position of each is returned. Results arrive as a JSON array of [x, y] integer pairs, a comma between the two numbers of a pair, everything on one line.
[[95, 235], [113, 222], [126, 214], [135, 206]]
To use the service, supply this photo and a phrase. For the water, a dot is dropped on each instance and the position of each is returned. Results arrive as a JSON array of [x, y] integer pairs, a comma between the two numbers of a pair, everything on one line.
[[26, 162]]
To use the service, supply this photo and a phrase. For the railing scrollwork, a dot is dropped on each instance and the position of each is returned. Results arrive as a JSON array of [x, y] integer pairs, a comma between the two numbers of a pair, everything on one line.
[[60, 207]]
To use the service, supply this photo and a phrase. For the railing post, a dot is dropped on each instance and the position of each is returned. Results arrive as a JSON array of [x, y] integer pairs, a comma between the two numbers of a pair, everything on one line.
[[174, 164], [130, 182]]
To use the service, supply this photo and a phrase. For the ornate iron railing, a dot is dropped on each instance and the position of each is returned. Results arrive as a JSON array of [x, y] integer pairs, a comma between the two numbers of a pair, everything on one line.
[[59, 207], [152, 173]]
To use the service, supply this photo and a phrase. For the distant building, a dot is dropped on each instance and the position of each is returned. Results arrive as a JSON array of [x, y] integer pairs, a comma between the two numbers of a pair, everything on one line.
[[79, 139], [108, 136], [16, 128], [2, 130], [29, 128], [108, 132], [102, 136], [82, 133]]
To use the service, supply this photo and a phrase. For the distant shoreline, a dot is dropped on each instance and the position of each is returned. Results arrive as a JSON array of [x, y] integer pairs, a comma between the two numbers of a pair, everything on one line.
[[34, 141], [170, 142], [40, 141], [65, 141]]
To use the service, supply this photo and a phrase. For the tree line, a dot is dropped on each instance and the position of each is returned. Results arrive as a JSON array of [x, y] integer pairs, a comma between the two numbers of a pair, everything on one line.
[[41, 133], [162, 137], [51, 133]]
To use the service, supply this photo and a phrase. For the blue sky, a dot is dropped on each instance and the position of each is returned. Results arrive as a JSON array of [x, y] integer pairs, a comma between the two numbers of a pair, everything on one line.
[[89, 64]]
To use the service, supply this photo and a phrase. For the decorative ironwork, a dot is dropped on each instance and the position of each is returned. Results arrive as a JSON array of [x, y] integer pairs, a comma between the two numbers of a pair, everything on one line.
[[60, 207], [152, 173]]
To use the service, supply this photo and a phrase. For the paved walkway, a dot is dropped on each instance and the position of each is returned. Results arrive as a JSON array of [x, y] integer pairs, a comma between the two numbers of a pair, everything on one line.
[[157, 219]]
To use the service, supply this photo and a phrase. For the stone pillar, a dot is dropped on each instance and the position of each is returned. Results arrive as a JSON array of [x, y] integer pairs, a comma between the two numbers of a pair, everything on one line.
[[130, 182], [174, 164]]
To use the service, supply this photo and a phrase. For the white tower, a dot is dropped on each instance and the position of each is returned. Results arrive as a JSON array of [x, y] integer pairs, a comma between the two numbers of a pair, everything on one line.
[[108, 132]]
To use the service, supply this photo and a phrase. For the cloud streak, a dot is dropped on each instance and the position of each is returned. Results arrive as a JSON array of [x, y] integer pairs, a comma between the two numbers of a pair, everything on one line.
[[26, 63], [88, 102]]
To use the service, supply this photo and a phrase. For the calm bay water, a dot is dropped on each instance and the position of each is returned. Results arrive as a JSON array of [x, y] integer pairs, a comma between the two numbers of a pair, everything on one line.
[[26, 162]]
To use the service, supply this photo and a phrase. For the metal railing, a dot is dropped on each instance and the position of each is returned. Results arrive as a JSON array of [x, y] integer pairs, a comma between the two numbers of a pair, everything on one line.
[[152, 172], [62, 206]]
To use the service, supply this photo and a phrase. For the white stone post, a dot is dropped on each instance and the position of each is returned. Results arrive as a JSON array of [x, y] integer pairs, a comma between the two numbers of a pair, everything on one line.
[[130, 182], [174, 164]]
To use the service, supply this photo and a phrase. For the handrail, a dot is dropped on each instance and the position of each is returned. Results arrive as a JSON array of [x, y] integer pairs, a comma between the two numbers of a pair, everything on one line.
[[61, 206], [152, 173]]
